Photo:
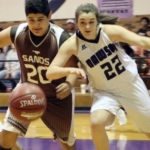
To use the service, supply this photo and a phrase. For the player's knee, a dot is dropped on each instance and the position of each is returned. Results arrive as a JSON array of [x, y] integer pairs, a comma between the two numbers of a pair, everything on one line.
[[101, 118], [7, 139], [97, 122]]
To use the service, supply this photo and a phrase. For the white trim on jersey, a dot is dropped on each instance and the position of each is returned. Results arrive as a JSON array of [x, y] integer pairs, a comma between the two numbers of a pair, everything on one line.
[[57, 31]]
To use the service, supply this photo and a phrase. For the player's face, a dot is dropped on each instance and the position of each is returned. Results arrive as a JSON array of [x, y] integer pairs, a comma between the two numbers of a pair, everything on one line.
[[38, 23], [87, 24]]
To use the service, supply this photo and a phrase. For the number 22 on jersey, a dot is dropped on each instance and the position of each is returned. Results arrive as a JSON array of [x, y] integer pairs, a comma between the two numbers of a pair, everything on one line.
[[109, 71]]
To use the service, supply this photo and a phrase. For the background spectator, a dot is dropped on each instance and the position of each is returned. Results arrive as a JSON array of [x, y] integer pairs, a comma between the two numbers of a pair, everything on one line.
[[2, 57], [12, 69], [70, 26], [144, 22]]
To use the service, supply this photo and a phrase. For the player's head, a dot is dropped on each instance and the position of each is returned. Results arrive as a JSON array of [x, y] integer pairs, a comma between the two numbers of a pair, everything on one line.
[[88, 17], [37, 6], [87, 20], [38, 16]]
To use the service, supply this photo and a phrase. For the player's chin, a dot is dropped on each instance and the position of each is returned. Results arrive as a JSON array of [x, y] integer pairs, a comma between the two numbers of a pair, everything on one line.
[[88, 37], [38, 33]]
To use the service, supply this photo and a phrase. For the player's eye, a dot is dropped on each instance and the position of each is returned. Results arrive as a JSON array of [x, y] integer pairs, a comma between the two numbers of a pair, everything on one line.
[[40, 20], [91, 22], [82, 23], [31, 20]]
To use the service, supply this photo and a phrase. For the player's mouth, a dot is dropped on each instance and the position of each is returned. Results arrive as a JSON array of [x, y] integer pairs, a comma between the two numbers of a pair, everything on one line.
[[38, 30], [87, 32]]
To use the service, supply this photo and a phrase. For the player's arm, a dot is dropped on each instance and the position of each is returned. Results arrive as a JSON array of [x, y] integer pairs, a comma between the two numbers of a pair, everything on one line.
[[71, 78], [121, 34], [5, 38], [57, 68], [72, 62]]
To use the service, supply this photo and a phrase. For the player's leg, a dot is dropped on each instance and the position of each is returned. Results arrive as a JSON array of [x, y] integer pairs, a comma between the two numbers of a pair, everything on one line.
[[99, 120], [8, 140], [10, 131], [65, 146], [137, 105], [103, 112], [70, 143], [17, 147]]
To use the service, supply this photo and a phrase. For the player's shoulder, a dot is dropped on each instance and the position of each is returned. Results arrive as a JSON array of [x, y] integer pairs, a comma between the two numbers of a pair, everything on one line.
[[15, 30], [20, 28], [70, 44], [111, 28], [114, 32], [72, 41]]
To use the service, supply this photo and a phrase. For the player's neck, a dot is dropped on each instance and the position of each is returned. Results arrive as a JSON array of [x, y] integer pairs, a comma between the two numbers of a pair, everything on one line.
[[38, 39]]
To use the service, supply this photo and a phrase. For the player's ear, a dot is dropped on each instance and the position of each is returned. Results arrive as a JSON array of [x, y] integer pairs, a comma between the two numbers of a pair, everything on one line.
[[50, 15]]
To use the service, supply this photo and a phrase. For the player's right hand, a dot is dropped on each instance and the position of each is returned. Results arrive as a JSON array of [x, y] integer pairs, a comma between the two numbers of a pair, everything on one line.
[[78, 72]]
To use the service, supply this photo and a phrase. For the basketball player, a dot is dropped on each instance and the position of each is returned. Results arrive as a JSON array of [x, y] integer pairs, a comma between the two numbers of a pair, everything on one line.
[[37, 43], [111, 72]]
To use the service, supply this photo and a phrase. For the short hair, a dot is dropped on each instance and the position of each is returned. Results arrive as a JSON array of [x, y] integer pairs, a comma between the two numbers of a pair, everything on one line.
[[37, 6], [146, 19]]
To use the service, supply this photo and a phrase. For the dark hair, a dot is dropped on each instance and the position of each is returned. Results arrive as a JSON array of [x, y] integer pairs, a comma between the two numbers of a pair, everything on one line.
[[37, 6], [146, 19], [101, 17]]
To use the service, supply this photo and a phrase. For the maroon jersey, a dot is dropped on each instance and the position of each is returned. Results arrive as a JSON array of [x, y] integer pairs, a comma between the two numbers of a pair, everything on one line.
[[35, 55], [35, 58]]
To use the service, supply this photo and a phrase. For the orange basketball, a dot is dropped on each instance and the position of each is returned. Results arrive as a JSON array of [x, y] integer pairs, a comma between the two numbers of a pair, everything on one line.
[[27, 102]]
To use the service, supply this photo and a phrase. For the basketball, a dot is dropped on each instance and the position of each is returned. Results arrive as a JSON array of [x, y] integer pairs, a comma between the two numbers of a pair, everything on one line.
[[27, 102]]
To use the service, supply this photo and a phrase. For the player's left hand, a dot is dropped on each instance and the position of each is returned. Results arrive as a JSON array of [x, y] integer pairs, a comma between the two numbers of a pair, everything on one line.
[[63, 90]]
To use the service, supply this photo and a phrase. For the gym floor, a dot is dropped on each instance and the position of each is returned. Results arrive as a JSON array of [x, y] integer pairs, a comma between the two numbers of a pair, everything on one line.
[[125, 137]]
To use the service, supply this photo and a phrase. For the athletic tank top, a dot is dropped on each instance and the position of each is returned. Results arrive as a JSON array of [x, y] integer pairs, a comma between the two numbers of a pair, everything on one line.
[[35, 58], [105, 63]]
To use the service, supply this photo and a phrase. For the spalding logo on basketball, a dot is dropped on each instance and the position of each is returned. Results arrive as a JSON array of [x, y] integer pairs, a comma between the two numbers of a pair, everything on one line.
[[27, 102]]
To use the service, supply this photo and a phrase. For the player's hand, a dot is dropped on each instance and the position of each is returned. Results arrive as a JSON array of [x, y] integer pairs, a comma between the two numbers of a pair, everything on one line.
[[78, 72], [63, 90]]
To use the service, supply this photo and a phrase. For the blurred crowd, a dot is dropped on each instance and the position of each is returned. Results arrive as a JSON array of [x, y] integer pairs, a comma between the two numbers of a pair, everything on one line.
[[9, 68], [142, 56]]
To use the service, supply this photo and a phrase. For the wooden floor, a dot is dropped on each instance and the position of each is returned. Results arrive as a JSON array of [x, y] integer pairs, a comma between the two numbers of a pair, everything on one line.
[[125, 137], [82, 129]]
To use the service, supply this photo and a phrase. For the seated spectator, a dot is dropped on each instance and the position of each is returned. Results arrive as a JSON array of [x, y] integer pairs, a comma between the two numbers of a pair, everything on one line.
[[70, 26], [2, 57], [12, 69], [144, 22]]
